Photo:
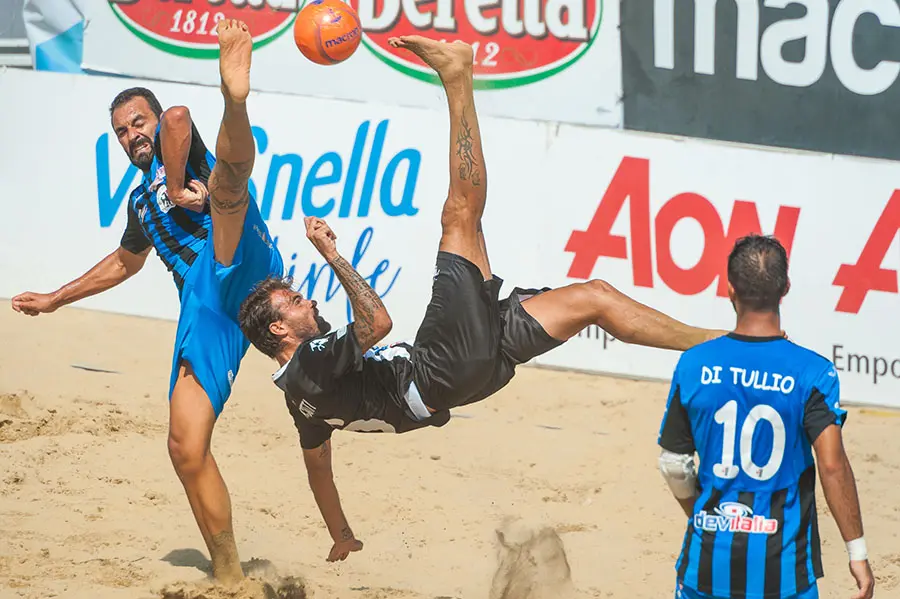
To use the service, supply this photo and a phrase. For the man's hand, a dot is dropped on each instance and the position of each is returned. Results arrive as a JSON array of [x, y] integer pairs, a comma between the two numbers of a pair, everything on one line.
[[193, 197], [865, 581], [321, 236], [344, 547], [33, 304]]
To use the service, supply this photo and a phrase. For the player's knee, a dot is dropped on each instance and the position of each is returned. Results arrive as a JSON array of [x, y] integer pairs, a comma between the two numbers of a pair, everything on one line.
[[229, 183], [187, 457], [594, 294], [459, 215], [600, 289]]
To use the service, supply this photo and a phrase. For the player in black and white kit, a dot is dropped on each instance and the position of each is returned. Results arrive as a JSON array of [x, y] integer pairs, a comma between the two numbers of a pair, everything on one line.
[[469, 342]]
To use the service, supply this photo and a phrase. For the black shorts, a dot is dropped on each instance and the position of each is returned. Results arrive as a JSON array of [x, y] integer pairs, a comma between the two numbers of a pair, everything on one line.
[[470, 341]]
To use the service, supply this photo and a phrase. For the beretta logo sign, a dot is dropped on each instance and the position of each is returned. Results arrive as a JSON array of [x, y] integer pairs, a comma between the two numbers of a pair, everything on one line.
[[516, 42], [188, 28]]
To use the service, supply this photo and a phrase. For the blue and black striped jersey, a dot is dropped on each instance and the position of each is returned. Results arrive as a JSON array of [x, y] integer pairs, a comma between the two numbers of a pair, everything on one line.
[[751, 408], [177, 234]]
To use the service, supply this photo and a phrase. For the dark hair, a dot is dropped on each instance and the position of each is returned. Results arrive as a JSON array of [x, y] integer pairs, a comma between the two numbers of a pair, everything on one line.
[[136, 92], [758, 272], [257, 313]]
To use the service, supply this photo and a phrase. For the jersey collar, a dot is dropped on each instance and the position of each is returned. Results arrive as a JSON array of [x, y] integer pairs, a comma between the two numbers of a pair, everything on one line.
[[751, 339]]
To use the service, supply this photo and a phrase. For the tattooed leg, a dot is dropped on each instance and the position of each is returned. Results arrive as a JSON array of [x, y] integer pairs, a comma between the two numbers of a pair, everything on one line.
[[461, 217], [235, 148]]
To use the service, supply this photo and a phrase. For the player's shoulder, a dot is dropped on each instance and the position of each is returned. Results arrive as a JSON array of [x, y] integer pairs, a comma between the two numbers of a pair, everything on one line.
[[136, 194], [279, 377], [292, 377], [812, 356], [322, 340], [812, 363]]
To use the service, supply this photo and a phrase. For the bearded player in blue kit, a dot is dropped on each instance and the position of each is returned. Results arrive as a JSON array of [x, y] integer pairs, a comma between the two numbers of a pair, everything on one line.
[[755, 406], [172, 211]]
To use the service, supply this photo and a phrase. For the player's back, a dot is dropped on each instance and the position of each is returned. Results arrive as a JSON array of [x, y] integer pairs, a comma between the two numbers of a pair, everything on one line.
[[751, 406]]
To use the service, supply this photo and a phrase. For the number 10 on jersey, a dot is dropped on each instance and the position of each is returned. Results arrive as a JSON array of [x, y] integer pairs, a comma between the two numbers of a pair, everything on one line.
[[727, 416]]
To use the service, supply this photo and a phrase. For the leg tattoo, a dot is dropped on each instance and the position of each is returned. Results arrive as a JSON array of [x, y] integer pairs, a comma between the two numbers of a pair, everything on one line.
[[465, 151]]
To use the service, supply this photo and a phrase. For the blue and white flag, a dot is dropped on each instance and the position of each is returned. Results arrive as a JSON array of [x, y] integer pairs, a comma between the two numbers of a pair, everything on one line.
[[55, 30]]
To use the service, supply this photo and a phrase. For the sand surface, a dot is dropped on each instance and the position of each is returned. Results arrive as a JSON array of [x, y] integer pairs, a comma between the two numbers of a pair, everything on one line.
[[91, 507]]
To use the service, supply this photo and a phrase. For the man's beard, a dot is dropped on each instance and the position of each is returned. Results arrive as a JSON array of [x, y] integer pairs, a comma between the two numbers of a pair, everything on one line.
[[145, 160], [324, 325]]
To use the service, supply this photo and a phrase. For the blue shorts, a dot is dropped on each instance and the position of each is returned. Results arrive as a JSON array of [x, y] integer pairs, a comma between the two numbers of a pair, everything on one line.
[[683, 592], [208, 335]]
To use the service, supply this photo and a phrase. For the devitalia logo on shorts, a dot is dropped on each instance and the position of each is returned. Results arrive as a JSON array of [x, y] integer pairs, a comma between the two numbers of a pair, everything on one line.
[[188, 27], [516, 42]]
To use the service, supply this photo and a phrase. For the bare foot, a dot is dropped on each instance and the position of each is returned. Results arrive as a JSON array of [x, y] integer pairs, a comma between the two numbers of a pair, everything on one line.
[[235, 50], [448, 60], [226, 564]]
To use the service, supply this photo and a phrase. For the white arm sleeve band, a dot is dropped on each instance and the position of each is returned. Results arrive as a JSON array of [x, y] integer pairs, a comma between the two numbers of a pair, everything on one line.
[[679, 472]]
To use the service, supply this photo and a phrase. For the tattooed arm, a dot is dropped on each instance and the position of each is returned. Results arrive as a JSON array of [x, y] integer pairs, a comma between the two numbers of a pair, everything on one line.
[[372, 321], [321, 482]]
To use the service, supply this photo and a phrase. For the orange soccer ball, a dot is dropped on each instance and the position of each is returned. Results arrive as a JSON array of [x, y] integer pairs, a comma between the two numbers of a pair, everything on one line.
[[327, 31]]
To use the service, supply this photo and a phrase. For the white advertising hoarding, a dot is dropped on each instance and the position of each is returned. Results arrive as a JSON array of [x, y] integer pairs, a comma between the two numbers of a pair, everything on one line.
[[655, 217], [555, 60]]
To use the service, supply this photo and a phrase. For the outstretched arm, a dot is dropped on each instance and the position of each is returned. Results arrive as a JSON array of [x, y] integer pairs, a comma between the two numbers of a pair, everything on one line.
[[321, 481], [106, 274], [372, 321]]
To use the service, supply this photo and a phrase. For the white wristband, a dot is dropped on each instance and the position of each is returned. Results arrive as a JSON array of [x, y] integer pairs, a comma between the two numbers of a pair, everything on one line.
[[857, 551]]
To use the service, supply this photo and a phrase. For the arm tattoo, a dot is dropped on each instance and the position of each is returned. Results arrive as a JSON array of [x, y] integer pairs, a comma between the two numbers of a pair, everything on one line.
[[465, 151], [366, 303], [229, 180], [346, 533]]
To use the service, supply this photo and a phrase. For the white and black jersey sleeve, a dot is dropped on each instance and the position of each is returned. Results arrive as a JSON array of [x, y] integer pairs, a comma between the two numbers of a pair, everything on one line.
[[312, 433]]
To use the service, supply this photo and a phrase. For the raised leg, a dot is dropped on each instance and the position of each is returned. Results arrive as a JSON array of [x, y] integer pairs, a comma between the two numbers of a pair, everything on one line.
[[461, 217], [235, 148], [191, 422], [565, 311]]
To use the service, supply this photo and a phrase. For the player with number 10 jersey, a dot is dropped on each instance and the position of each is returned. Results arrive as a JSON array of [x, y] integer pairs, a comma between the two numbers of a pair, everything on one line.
[[753, 405]]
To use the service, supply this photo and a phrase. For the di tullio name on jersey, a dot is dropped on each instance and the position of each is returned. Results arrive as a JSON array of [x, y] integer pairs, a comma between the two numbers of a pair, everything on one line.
[[753, 379]]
